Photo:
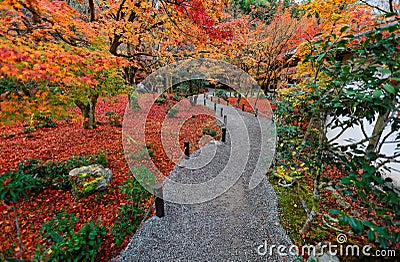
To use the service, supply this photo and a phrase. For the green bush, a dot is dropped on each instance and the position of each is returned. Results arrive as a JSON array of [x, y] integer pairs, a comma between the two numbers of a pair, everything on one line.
[[32, 174], [151, 152], [176, 98], [210, 132], [69, 245], [13, 185], [131, 214], [43, 119], [160, 100], [221, 93]]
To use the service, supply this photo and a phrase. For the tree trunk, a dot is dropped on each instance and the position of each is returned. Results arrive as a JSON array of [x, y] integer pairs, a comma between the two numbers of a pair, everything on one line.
[[315, 204], [378, 130], [316, 123], [88, 111], [92, 11]]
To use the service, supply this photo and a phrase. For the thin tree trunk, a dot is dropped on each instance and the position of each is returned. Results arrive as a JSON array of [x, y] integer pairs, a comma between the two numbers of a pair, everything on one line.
[[315, 205], [92, 11], [378, 130]]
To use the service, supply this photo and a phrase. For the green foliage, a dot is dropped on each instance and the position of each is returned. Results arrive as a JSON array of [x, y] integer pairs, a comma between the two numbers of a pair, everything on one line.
[[144, 176], [176, 98], [33, 175], [210, 132], [150, 152], [43, 119], [160, 100], [172, 111], [9, 85], [247, 5], [133, 101], [13, 185], [84, 184], [192, 87], [221, 93], [29, 129], [131, 213], [364, 87], [69, 245]]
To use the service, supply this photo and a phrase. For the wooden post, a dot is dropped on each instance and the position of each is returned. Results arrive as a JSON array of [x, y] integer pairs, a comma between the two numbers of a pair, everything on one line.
[[256, 112], [204, 101], [219, 100], [211, 99], [222, 111], [223, 138], [242, 107], [186, 147], [225, 120], [215, 107], [227, 102], [159, 202]]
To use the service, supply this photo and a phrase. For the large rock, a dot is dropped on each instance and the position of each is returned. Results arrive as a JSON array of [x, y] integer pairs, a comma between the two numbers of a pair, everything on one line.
[[89, 179]]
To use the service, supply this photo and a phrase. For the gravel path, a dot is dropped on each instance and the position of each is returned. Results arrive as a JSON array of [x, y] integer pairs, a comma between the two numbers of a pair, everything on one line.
[[230, 227]]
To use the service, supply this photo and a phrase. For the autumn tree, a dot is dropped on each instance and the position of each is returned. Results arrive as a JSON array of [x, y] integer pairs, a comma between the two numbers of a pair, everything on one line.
[[262, 47], [49, 50]]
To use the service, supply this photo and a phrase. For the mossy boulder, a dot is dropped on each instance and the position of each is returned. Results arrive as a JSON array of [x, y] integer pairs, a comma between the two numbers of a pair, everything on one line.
[[87, 180]]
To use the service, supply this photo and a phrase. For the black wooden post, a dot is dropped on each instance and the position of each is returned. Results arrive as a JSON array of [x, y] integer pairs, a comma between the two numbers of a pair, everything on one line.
[[215, 107], [223, 138], [222, 111], [256, 112], [227, 102], [225, 120], [219, 100], [211, 98], [204, 101], [159, 202], [186, 147], [242, 107]]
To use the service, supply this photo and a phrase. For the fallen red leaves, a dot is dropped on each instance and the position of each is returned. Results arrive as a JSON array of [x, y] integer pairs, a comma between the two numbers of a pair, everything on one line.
[[68, 139]]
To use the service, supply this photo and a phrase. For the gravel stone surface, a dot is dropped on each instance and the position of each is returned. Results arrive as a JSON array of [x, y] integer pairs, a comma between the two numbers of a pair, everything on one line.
[[230, 227]]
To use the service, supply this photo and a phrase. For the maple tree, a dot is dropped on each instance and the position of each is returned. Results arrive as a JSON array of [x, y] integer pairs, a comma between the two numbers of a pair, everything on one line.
[[51, 43], [48, 50]]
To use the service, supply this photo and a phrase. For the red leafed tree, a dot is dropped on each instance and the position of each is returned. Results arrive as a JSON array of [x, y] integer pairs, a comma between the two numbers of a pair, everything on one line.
[[52, 56]]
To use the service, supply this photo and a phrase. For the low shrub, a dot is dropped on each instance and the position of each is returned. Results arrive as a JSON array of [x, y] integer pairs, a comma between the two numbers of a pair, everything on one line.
[[69, 244], [32, 174], [131, 214], [210, 132], [160, 100]]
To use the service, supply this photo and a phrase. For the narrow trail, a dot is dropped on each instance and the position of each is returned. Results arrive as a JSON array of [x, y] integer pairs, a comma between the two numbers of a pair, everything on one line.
[[231, 226]]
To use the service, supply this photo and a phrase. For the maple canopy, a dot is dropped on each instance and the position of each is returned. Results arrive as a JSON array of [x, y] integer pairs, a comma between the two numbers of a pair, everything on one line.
[[56, 53]]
